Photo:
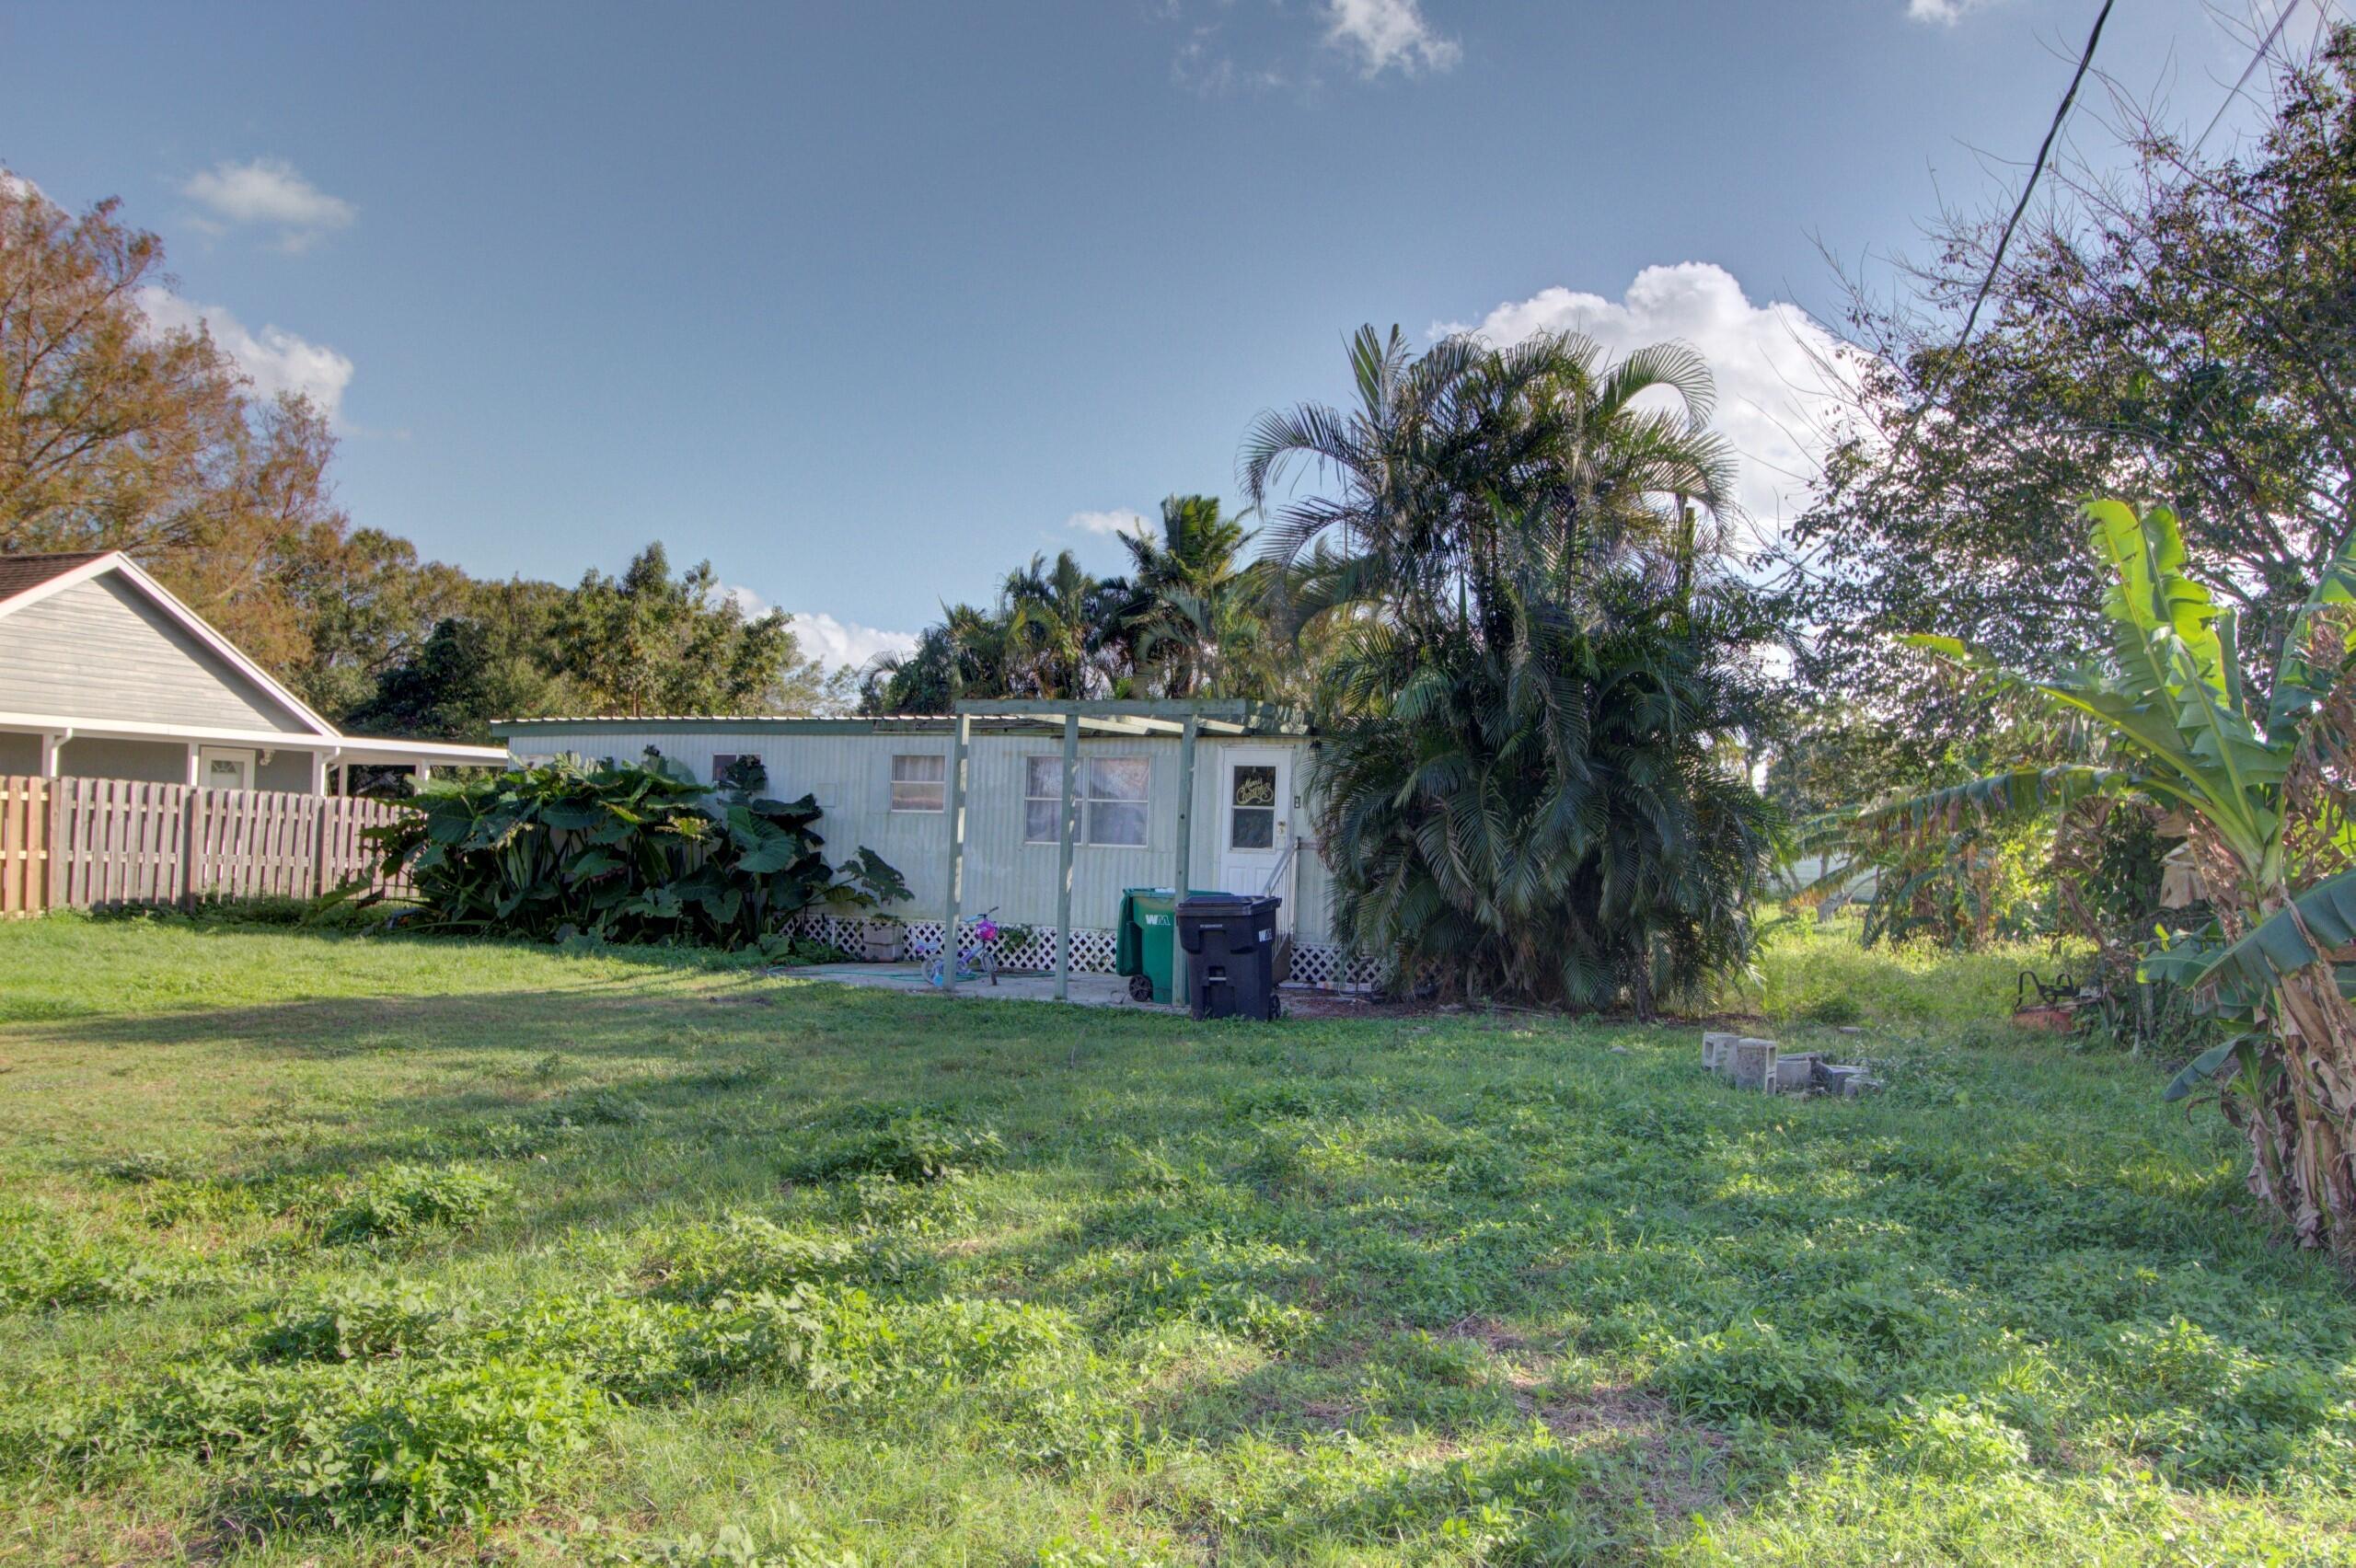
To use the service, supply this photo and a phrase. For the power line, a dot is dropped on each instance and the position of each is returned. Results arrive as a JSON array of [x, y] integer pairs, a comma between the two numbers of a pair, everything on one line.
[[2044, 151], [2248, 71], [2003, 240]]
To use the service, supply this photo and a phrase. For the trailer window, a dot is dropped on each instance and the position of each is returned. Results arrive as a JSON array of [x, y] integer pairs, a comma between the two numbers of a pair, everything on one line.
[[1110, 793]]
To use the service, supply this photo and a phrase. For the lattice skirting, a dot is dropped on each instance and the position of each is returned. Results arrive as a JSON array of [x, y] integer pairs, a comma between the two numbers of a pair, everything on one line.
[[1325, 966]]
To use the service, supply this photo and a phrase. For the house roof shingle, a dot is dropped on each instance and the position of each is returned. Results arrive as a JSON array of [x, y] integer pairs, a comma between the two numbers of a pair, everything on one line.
[[20, 573]]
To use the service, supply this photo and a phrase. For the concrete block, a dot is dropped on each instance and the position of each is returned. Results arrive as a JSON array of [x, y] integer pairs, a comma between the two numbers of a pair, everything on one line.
[[1717, 1052], [1836, 1078], [1795, 1074], [1859, 1084], [1754, 1064]]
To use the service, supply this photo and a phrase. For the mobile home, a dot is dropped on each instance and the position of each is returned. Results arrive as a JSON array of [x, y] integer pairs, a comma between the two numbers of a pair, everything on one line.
[[886, 783]]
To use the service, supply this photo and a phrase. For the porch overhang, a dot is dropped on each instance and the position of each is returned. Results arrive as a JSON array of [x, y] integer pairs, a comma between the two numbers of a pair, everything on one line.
[[1186, 718], [330, 749]]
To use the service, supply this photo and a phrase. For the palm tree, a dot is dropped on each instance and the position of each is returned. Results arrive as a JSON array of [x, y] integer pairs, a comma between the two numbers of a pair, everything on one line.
[[1523, 790], [1053, 625], [1192, 604], [1440, 447]]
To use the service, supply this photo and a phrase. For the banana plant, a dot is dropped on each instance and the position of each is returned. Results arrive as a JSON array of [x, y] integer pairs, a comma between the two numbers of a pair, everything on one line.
[[1925, 847], [2254, 779]]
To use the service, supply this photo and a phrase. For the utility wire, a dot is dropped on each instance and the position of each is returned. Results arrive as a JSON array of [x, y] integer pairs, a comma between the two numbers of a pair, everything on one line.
[[2289, 6], [2003, 240], [2044, 151]]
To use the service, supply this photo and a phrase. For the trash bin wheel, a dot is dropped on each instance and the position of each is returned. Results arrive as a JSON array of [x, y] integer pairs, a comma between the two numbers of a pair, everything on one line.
[[1140, 987]]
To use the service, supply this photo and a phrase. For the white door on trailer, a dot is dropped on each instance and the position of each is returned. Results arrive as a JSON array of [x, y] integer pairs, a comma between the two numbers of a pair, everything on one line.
[[1255, 820]]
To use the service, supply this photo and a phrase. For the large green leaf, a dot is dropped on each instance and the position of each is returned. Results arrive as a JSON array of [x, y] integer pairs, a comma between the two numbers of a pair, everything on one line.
[[2299, 687], [2277, 945]]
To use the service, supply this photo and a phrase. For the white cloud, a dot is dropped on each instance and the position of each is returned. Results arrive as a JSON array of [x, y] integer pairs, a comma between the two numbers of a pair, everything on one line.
[[1384, 33], [273, 359], [1110, 523], [268, 193], [826, 639], [1782, 379], [1946, 12], [832, 641]]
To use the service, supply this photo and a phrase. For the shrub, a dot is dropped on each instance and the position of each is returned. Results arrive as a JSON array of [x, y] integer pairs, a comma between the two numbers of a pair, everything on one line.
[[365, 1322], [827, 1342], [42, 1269], [910, 1148], [631, 1348], [1955, 1441], [612, 1107], [1752, 1370], [967, 1340], [1837, 1008], [466, 1442], [742, 1253], [397, 1201]]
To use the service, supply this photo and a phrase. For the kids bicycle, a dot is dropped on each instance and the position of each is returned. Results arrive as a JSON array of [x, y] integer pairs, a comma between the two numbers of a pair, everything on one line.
[[975, 963]]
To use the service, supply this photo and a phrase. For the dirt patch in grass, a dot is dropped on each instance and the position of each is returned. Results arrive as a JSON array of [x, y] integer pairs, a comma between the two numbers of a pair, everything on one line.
[[1680, 1465]]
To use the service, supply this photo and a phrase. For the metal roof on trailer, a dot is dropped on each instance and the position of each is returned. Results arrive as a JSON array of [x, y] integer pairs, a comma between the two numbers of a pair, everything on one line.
[[1221, 720]]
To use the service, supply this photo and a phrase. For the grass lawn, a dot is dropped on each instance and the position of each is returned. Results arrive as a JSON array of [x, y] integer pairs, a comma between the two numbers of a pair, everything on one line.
[[329, 1250]]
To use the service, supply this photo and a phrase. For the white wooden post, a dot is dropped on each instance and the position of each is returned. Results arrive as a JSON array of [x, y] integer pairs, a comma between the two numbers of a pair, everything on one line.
[[1063, 859], [956, 850], [425, 775], [318, 772], [193, 777], [51, 744], [1178, 988]]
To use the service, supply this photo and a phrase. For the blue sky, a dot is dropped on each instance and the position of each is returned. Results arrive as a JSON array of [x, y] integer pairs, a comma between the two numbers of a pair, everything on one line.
[[868, 300]]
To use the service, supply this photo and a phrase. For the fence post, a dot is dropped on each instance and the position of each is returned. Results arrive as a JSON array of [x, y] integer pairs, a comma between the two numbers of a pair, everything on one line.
[[192, 837], [319, 846]]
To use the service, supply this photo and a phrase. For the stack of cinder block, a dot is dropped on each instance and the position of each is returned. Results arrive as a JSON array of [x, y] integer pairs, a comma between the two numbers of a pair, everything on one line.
[[1748, 1062]]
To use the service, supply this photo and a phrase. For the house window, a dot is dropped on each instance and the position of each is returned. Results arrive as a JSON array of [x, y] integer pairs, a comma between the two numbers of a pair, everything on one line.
[[1110, 793], [920, 782], [723, 764]]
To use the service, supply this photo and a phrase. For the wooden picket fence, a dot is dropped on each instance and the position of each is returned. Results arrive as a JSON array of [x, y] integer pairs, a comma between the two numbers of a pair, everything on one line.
[[98, 843]]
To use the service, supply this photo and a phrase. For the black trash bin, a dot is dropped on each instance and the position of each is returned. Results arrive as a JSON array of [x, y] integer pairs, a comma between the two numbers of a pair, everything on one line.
[[1229, 940]]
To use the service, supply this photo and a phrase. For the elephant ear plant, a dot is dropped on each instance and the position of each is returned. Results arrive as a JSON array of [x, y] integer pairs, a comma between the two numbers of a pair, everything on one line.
[[637, 853], [2263, 782]]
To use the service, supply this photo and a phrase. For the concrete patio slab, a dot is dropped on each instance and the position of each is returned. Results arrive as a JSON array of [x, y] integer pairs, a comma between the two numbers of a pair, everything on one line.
[[1087, 990]]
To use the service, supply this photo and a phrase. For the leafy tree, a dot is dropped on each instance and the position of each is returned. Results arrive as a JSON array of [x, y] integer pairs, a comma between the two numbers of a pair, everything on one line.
[[1527, 789], [649, 642], [2184, 332], [116, 433]]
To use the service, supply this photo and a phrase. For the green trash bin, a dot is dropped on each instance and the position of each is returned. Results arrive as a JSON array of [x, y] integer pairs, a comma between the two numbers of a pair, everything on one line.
[[1145, 948]]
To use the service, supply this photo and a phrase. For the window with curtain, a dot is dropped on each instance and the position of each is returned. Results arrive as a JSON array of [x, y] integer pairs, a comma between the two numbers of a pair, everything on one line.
[[1110, 793], [920, 782]]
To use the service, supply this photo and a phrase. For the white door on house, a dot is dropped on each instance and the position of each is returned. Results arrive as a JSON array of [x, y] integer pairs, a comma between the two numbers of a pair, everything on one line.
[[225, 767], [1255, 818]]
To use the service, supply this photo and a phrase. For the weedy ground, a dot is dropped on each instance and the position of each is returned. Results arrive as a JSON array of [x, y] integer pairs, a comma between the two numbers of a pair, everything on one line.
[[337, 1248]]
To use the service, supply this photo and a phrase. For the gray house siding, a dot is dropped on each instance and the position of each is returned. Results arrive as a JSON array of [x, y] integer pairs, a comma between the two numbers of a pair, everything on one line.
[[100, 650], [288, 771], [850, 774], [150, 762], [20, 754]]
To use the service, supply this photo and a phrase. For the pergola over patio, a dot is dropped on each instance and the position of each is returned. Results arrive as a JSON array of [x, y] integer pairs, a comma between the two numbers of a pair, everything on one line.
[[1187, 719]]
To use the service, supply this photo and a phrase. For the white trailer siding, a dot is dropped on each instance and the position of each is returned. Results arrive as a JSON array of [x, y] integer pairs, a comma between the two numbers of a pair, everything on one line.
[[848, 766]]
